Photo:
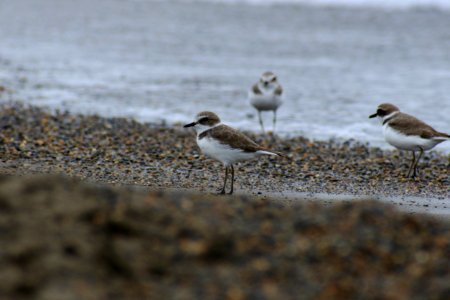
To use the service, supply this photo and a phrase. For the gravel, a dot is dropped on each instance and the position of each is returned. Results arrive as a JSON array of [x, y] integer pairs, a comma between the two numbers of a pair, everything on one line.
[[125, 152], [109, 208]]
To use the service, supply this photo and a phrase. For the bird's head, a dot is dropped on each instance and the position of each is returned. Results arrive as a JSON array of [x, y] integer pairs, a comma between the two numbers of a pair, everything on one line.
[[385, 110], [203, 121], [268, 80]]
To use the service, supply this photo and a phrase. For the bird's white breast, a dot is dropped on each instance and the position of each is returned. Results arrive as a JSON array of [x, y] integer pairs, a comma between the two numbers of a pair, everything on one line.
[[222, 152], [407, 142], [266, 101]]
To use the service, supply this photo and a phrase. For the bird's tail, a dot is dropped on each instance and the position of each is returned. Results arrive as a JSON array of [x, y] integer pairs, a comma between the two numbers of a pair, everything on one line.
[[269, 152]]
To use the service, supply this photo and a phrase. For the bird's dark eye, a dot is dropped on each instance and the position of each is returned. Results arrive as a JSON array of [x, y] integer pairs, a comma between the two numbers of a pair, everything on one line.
[[274, 79], [203, 120], [381, 112]]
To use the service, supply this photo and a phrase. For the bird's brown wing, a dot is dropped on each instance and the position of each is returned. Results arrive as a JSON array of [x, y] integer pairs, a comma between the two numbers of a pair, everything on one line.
[[229, 136], [410, 125], [256, 90], [445, 135], [279, 90]]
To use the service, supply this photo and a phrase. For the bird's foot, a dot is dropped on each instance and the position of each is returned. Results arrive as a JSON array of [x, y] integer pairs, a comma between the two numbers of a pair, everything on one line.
[[221, 191]]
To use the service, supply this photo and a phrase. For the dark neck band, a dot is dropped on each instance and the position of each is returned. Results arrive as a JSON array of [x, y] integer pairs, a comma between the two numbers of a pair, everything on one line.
[[388, 119], [203, 134]]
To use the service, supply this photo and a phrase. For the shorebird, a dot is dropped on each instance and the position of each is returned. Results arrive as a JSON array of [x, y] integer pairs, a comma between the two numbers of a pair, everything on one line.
[[224, 143], [406, 132], [266, 95]]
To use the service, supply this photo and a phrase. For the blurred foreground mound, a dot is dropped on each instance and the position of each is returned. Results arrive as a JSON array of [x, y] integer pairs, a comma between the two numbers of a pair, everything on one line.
[[65, 239]]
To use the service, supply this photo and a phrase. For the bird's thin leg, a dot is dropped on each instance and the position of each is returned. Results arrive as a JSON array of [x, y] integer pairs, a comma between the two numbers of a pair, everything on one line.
[[232, 179], [274, 119], [222, 191], [412, 164], [260, 121], [417, 162]]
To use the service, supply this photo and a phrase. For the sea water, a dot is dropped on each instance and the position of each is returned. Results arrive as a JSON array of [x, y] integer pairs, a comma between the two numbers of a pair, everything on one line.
[[164, 61]]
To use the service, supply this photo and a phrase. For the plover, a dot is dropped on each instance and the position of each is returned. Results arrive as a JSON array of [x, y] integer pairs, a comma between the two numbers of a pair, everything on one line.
[[224, 143], [406, 132], [266, 95]]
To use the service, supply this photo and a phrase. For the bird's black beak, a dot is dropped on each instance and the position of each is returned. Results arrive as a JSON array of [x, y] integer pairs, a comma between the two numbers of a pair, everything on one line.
[[190, 124], [373, 116], [266, 83]]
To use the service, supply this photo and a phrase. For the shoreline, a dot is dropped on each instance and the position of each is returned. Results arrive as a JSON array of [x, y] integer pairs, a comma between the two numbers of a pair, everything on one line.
[[332, 79], [121, 151]]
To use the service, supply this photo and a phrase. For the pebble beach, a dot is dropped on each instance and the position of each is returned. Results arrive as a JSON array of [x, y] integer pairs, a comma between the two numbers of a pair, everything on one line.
[[110, 208], [104, 194], [121, 151]]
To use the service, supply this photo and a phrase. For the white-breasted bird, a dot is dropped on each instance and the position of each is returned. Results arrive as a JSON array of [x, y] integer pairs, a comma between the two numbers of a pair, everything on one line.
[[266, 95], [406, 132], [224, 143]]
